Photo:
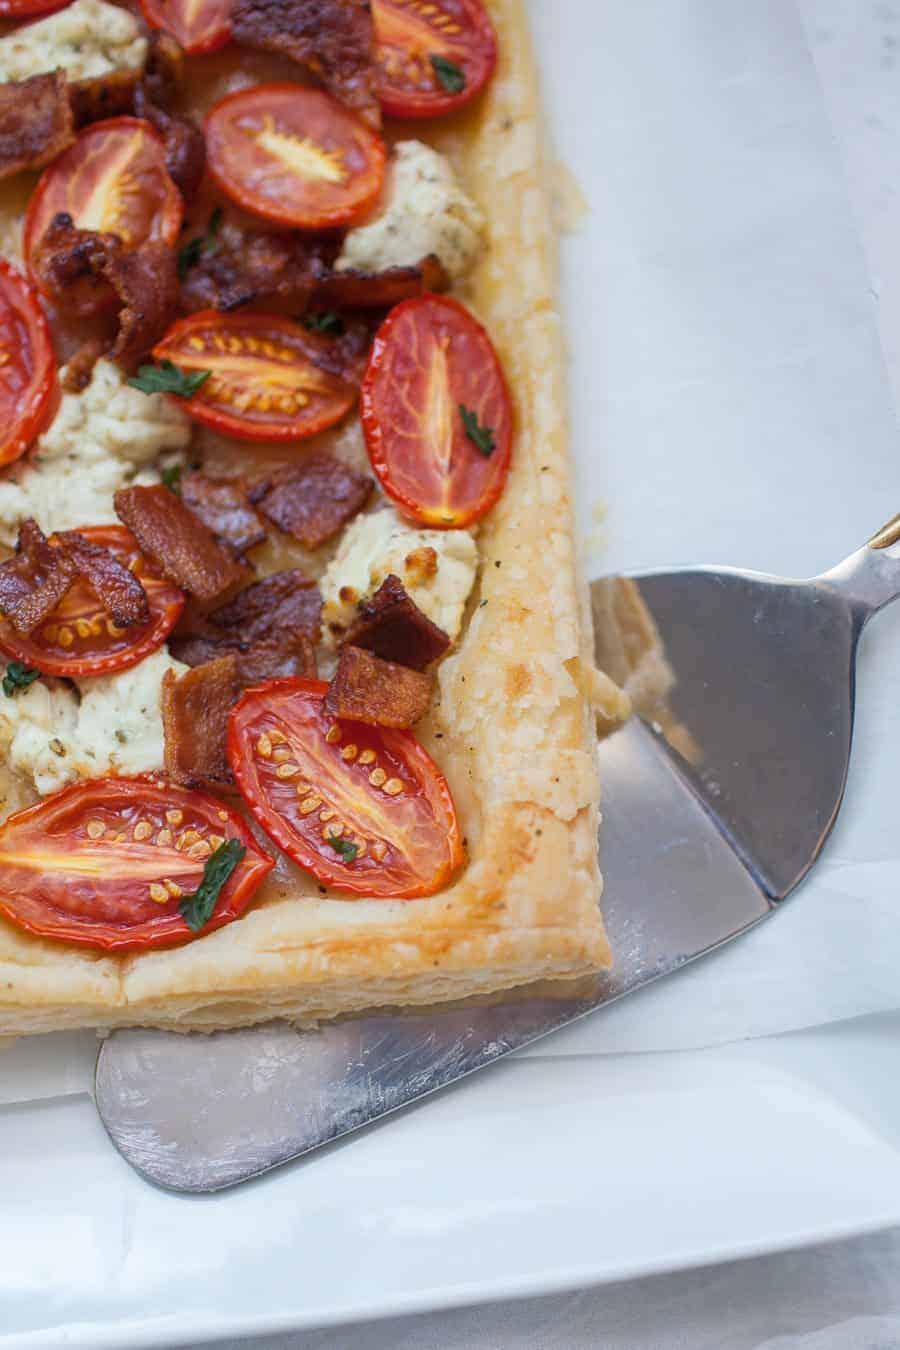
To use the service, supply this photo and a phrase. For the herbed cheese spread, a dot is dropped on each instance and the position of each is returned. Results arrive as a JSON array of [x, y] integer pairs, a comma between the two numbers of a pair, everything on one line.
[[423, 210], [86, 39], [101, 439]]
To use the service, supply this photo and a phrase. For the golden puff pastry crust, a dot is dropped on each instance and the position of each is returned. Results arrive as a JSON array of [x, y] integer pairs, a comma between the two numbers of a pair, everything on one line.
[[512, 727]]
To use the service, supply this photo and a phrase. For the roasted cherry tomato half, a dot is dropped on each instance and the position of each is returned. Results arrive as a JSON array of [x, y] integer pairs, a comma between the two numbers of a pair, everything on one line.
[[268, 380], [106, 863], [79, 637], [294, 155], [436, 413], [30, 9], [364, 809], [28, 387], [196, 25], [431, 58], [112, 180]]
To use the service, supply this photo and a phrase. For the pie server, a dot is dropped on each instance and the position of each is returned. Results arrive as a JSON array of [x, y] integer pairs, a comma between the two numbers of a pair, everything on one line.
[[693, 856]]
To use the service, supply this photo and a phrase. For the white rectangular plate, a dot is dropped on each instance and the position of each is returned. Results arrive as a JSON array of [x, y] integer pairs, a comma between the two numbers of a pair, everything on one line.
[[730, 402]]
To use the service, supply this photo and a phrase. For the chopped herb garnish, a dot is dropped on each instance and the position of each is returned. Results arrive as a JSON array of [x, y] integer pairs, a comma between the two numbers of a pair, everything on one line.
[[189, 255], [481, 437], [450, 75], [196, 909], [167, 378], [18, 676], [344, 847], [193, 250], [171, 478], [325, 322]]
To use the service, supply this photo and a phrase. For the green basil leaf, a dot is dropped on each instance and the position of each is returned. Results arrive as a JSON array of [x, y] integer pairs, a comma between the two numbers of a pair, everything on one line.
[[325, 322], [196, 909], [167, 378], [344, 847], [451, 76], [18, 676], [481, 437]]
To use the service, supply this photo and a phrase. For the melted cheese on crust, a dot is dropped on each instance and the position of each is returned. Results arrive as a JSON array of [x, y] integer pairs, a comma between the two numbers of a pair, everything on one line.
[[87, 39]]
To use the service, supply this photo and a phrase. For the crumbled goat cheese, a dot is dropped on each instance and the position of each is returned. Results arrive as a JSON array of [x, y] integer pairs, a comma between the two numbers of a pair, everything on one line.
[[51, 738], [423, 210], [101, 439], [86, 39], [437, 569]]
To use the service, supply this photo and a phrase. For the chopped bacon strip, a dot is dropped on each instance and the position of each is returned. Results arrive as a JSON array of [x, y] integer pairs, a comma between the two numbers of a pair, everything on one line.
[[110, 95], [35, 580], [333, 39], [352, 289], [180, 545], [118, 590], [284, 602], [314, 499], [368, 689], [288, 655], [251, 266], [393, 627], [195, 710], [80, 367], [185, 143], [36, 122], [223, 506], [75, 268]]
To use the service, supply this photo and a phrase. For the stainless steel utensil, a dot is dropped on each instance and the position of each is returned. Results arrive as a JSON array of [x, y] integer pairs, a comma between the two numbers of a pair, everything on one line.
[[693, 855]]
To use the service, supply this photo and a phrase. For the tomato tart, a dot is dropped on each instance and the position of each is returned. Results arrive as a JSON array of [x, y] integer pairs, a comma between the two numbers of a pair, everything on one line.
[[298, 707]]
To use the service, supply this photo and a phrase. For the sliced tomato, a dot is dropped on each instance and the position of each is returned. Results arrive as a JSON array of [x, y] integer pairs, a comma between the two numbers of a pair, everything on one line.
[[432, 370], [269, 379], [28, 386], [29, 9], [106, 863], [364, 809], [294, 155], [112, 180], [431, 58], [79, 637], [196, 25]]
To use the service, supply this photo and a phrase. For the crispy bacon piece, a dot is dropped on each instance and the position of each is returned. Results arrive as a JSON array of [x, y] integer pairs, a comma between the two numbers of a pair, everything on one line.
[[287, 601], [76, 268], [292, 654], [195, 709], [393, 627], [80, 367], [313, 499], [223, 506], [371, 690], [118, 590], [333, 39], [180, 545], [185, 142], [110, 95], [35, 580], [36, 122], [254, 267], [352, 289]]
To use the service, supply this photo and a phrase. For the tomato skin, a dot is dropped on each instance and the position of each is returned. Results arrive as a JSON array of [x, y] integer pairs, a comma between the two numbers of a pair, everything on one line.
[[121, 149], [198, 28], [405, 39], [327, 397], [114, 651], [397, 390], [415, 829], [264, 183], [59, 881], [29, 391], [30, 9]]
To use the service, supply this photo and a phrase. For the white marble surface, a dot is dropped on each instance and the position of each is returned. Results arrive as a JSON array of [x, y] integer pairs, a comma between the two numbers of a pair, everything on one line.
[[846, 1296]]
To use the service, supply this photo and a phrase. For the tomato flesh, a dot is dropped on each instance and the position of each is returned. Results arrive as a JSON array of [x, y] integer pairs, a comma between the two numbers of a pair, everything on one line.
[[309, 780], [408, 34], [105, 863], [28, 9], [431, 359], [294, 155], [28, 386], [197, 25], [79, 637], [268, 381], [112, 180]]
